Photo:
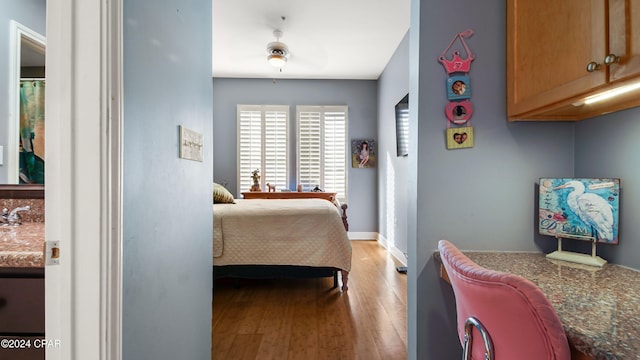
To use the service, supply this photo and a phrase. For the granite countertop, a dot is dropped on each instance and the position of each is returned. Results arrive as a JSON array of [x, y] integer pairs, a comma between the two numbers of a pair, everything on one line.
[[22, 245], [599, 307]]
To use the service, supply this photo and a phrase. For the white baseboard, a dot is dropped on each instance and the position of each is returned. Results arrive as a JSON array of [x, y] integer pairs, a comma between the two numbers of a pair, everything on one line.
[[362, 235], [394, 251]]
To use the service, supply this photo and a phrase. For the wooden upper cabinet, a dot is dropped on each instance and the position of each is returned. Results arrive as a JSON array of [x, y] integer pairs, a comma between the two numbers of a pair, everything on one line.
[[624, 35], [551, 43]]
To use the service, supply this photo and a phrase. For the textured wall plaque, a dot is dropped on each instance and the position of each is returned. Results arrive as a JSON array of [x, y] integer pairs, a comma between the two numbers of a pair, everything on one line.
[[191, 144]]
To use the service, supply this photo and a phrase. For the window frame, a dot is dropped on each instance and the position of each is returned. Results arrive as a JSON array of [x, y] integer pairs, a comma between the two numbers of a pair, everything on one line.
[[323, 109], [263, 109]]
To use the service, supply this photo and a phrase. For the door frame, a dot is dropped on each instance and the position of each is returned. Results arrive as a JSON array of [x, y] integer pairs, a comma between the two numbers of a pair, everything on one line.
[[83, 196], [17, 32]]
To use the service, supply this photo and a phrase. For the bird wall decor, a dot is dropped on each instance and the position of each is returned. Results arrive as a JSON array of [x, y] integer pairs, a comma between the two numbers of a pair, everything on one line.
[[592, 209], [580, 208]]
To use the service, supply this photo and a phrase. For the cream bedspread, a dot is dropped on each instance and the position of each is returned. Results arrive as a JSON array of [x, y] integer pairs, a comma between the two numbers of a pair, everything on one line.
[[304, 232]]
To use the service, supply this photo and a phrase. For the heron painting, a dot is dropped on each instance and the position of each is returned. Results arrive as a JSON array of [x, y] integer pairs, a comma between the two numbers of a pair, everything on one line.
[[580, 208]]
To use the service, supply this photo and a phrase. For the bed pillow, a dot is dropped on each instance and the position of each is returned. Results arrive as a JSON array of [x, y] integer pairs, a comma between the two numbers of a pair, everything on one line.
[[221, 195]]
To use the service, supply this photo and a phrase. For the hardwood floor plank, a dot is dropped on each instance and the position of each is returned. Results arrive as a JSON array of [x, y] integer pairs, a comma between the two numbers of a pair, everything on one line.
[[221, 344], [304, 324], [306, 319], [245, 347], [274, 324], [252, 310]]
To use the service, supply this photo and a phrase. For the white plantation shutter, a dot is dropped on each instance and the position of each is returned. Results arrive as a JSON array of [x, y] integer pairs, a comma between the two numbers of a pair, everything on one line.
[[249, 146], [262, 144], [309, 149], [335, 154], [275, 149], [322, 148]]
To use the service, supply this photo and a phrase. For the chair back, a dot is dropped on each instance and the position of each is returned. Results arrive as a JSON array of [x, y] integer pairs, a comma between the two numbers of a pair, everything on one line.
[[520, 320]]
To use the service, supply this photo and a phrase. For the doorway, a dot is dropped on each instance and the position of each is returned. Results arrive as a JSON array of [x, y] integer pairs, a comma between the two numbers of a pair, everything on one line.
[[25, 145]]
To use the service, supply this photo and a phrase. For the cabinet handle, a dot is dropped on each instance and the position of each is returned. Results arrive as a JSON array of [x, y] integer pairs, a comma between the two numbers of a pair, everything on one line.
[[593, 66], [611, 59]]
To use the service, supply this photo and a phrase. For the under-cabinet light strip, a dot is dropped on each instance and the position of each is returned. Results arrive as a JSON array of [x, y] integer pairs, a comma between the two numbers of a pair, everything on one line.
[[611, 93]]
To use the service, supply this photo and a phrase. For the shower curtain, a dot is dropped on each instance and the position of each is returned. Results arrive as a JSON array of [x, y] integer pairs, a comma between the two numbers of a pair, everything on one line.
[[32, 131]]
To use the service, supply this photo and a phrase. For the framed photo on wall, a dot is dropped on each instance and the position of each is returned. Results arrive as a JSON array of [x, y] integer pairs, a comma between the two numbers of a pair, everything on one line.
[[363, 153], [458, 87], [459, 138]]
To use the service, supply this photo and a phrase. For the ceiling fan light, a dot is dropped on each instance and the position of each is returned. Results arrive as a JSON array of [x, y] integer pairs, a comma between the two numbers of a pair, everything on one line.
[[277, 60], [277, 54]]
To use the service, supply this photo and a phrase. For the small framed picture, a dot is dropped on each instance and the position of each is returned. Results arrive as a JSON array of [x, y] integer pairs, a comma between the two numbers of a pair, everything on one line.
[[458, 87], [459, 138], [459, 112], [363, 153]]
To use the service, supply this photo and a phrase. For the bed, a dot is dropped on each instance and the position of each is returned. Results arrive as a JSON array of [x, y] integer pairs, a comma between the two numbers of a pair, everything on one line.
[[281, 238]]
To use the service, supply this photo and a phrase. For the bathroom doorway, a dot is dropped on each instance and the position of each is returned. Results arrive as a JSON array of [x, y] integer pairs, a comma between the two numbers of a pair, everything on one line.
[[25, 145]]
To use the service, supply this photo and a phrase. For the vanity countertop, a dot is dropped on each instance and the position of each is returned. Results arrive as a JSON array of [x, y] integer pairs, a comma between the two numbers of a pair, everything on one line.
[[22, 246], [599, 307]]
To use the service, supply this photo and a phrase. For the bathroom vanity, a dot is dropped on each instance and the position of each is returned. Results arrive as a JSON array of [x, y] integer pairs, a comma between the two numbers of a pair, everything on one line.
[[22, 306]]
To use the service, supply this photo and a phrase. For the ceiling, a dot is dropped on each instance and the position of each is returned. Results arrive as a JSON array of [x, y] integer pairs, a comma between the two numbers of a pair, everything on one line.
[[327, 39]]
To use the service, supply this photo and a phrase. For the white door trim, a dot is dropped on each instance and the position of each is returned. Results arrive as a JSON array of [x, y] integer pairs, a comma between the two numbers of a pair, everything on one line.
[[83, 198], [112, 165], [17, 31]]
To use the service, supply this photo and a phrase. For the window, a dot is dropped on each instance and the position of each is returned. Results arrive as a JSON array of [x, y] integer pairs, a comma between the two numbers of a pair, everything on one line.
[[322, 148], [262, 144]]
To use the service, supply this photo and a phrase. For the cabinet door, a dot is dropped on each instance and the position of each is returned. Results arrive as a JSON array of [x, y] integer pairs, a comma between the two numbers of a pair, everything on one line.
[[624, 31], [549, 44], [21, 305]]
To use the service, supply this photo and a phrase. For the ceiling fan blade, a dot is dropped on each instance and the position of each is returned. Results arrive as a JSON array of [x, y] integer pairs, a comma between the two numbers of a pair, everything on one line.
[[307, 54]]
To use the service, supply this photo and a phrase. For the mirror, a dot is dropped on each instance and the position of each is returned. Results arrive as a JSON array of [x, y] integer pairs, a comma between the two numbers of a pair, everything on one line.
[[25, 144]]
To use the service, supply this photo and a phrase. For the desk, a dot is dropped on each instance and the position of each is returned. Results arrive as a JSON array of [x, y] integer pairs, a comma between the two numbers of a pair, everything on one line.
[[599, 307]]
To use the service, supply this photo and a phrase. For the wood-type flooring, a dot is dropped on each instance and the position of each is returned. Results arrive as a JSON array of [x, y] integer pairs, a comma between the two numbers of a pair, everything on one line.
[[306, 319]]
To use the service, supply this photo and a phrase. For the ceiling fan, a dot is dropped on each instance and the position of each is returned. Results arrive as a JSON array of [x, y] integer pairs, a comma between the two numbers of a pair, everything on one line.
[[277, 51], [297, 53]]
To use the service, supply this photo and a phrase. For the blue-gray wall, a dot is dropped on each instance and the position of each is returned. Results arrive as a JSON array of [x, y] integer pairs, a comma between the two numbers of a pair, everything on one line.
[[30, 13], [480, 198], [393, 85], [608, 146], [359, 95], [167, 227]]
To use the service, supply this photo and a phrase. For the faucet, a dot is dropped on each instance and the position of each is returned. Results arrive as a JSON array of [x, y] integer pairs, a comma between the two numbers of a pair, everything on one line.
[[13, 217]]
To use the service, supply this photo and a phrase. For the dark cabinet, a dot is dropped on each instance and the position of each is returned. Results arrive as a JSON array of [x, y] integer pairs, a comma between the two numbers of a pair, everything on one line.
[[22, 313]]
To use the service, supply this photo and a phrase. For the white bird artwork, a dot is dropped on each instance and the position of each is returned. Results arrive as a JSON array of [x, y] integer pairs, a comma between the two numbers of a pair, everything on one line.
[[592, 209]]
